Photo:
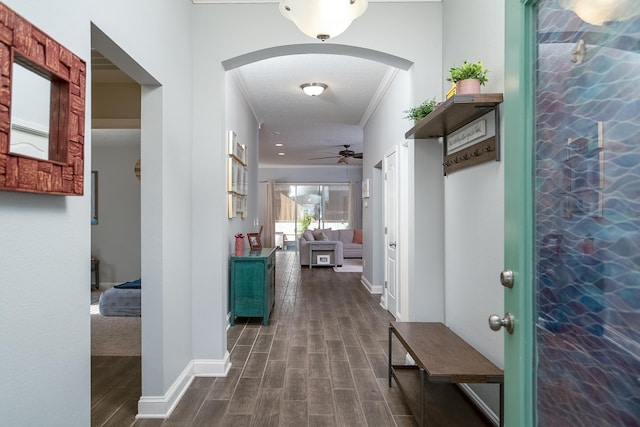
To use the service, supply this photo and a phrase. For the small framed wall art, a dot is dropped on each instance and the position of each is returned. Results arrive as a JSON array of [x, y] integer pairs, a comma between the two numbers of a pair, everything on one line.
[[237, 174]]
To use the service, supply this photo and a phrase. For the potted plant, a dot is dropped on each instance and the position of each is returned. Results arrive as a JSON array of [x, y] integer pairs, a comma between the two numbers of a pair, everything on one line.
[[417, 113], [468, 77]]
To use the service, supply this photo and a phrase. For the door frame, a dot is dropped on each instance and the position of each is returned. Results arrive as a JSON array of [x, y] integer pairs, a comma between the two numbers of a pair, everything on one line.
[[518, 212]]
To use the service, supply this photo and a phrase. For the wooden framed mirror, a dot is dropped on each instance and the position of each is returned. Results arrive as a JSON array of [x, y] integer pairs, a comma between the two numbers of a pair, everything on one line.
[[42, 111]]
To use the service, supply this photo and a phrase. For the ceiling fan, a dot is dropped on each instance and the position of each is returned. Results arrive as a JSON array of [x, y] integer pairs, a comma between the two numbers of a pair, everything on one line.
[[343, 155]]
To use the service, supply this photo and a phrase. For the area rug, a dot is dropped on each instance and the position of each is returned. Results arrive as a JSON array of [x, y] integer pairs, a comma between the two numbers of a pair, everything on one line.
[[349, 266], [115, 336]]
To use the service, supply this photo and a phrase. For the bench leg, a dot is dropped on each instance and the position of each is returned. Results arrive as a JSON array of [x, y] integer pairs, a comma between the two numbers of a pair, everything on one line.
[[390, 359]]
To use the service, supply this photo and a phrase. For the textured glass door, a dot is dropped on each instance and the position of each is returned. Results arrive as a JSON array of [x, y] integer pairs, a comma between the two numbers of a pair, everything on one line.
[[586, 214]]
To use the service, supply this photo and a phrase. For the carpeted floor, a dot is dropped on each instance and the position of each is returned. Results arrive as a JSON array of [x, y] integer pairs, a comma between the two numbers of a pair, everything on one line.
[[114, 336], [350, 265]]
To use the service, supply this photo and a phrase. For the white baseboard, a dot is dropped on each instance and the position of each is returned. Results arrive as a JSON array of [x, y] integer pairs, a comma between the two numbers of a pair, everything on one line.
[[212, 367], [383, 299], [163, 406], [486, 410], [107, 285], [369, 286]]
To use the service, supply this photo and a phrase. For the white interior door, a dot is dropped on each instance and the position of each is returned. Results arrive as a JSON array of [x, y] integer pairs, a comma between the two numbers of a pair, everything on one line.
[[391, 231]]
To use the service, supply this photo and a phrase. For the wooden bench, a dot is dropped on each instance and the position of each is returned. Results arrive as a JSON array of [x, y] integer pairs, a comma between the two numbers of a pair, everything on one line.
[[442, 360]]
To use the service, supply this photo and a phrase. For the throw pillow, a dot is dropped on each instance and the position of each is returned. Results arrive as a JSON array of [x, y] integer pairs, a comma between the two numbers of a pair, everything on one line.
[[357, 236], [308, 235], [319, 235], [328, 233]]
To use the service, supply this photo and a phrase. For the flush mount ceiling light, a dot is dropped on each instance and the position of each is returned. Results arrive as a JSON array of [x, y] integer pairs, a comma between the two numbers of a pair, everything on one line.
[[602, 12], [313, 89], [322, 19]]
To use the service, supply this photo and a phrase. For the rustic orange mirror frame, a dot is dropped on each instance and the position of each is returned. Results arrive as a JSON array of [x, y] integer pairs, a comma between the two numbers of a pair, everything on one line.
[[63, 172]]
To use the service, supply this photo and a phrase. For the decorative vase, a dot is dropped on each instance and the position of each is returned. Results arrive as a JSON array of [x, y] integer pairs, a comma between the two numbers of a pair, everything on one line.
[[239, 246], [468, 87]]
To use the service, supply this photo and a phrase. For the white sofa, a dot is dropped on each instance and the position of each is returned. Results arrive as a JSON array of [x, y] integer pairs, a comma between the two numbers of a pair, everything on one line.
[[344, 239]]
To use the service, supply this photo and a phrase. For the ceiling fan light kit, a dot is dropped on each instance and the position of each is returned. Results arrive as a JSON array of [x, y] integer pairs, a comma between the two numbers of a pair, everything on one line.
[[313, 89], [322, 19], [343, 155]]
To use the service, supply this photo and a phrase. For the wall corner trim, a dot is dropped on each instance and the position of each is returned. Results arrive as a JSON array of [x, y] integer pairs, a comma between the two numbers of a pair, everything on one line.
[[372, 289], [212, 367], [163, 406]]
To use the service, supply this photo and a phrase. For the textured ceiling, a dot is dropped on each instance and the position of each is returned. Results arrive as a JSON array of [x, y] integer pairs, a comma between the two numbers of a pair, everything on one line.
[[310, 127]]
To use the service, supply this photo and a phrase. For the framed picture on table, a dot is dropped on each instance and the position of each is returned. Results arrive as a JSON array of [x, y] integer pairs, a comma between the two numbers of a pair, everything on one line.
[[324, 259], [254, 241]]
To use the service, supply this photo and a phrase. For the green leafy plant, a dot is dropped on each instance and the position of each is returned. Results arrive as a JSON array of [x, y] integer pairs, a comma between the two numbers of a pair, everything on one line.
[[422, 110], [468, 71], [305, 222]]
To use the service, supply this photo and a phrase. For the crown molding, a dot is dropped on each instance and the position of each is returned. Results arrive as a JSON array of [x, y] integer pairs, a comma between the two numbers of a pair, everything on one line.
[[242, 86], [388, 78]]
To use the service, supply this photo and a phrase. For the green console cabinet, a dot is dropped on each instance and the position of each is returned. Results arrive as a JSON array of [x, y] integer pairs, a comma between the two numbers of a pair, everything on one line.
[[252, 284]]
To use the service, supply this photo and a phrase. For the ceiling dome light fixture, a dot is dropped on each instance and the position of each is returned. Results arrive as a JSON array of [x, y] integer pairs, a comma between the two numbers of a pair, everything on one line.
[[322, 19], [602, 12], [313, 89]]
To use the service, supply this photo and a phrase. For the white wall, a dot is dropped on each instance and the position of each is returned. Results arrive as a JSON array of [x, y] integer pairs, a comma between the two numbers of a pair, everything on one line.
[[44, 265], [425, 262], [47, 245], [474, 206], [159, 51], [421, 222], [115, 240], [240, 119], [387, 128], [384, 130]]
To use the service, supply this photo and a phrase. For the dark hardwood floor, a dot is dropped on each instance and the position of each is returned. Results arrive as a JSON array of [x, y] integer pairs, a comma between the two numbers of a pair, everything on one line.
[[321, 361], [115, 390]]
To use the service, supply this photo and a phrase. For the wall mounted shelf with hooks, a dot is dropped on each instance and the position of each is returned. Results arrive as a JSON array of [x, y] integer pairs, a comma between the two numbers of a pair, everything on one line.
[[452, 115]]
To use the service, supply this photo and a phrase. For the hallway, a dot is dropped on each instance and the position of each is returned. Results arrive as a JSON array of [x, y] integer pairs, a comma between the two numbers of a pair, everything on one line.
[[321, 361]]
